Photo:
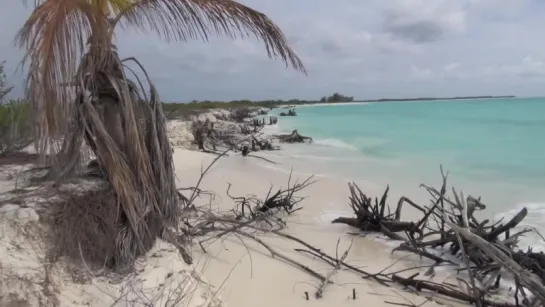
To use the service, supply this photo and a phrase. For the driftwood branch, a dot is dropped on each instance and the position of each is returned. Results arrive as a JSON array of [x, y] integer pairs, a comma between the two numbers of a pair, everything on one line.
[[485, 249], [336, 268], [293, 137]]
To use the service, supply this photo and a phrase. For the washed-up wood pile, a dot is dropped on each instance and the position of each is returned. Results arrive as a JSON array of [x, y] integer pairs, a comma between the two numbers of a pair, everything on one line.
[[239, 115], [284, 199], [293, 137], [372, 215], [216, 136], [204, 135], [487, 251], [253, 216], [257, 124], [290, 113]]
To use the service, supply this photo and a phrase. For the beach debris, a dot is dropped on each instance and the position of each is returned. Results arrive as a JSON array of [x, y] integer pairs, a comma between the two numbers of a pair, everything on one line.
[[293, 137], [251, 206], [203, 134], [291, 112], [247, 129], [239, 115], [485, 250], [252, 127], [214, 136], [260, 143], [253, 216], [256, 122], [245, 150], [338, 264], [372, 216]]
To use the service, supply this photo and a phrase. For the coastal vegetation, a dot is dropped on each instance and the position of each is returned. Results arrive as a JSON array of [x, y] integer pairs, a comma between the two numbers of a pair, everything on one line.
[[137, 201], [121, 122], [336, 97], [483, 255], [15, 128]]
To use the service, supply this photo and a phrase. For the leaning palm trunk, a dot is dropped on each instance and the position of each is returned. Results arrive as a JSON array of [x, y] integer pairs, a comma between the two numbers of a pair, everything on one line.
[[128, 137]]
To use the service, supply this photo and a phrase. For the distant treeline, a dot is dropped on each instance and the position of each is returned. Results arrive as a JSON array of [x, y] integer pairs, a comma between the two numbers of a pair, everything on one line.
[[336, 97], [436, 98], [271, 103]]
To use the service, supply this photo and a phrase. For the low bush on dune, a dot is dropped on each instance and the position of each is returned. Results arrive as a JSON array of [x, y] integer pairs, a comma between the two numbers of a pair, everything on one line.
[[14, 126]]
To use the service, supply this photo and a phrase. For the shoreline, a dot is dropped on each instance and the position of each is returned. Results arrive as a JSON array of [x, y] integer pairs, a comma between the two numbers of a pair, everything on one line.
[[258, 278], [503, 184], [235, 271], [385, 245], [308, 225], [385, 100]]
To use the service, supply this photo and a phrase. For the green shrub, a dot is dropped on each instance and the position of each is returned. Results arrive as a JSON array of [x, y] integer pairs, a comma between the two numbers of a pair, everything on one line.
[[15, 126]]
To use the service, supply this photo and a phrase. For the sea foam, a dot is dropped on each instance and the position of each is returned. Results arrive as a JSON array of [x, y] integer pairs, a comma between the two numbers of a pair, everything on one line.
[[334, 143]]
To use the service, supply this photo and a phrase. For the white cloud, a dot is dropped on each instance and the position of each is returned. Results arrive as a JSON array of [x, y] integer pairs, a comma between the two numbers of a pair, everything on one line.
[[365, 49], [452, 66], [529, 67], [421, 72]]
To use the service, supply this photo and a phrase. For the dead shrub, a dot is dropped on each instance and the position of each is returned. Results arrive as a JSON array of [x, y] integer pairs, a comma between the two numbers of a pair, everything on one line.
[[240, 114], [89, 227]]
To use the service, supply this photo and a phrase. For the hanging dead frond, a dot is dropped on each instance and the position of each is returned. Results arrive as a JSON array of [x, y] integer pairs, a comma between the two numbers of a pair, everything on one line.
[[182, 20], [80, 94], [105, 6], [129, 139], [55, 38]]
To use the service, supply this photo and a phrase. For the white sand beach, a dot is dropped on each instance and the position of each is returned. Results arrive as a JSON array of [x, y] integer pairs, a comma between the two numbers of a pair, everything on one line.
[[231, 270], [246, 272]]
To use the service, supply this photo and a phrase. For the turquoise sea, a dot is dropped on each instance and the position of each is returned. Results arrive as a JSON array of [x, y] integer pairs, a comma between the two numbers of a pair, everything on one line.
[[494, 148]]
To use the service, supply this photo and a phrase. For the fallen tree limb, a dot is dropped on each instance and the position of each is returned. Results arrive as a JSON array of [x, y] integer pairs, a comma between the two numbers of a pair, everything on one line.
[[420, 285], [338, 264], [283, 199], [484, 249], [293, 137], [276, 254], [526, 278], [375, 217]]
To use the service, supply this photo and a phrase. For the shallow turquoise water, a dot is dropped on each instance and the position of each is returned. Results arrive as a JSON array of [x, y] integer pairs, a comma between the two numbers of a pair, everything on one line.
[[492, 139], [494, 148]]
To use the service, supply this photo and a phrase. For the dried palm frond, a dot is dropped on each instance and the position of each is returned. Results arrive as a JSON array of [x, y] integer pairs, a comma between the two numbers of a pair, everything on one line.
[[69, 42], [129, 138], [105, 6], [55, 37], [182, 20], [56, 33]]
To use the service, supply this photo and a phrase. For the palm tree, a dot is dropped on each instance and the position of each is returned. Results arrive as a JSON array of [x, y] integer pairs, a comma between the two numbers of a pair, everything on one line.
[[80, 94]]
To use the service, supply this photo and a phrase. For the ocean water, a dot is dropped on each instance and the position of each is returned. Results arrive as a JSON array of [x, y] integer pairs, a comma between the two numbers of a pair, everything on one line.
[[493, 148]]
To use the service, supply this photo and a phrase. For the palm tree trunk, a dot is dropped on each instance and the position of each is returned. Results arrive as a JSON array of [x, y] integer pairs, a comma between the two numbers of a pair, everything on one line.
[[114, 125]]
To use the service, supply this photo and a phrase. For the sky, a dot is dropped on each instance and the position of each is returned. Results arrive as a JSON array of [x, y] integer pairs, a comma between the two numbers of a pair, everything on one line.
[[362, 48]]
